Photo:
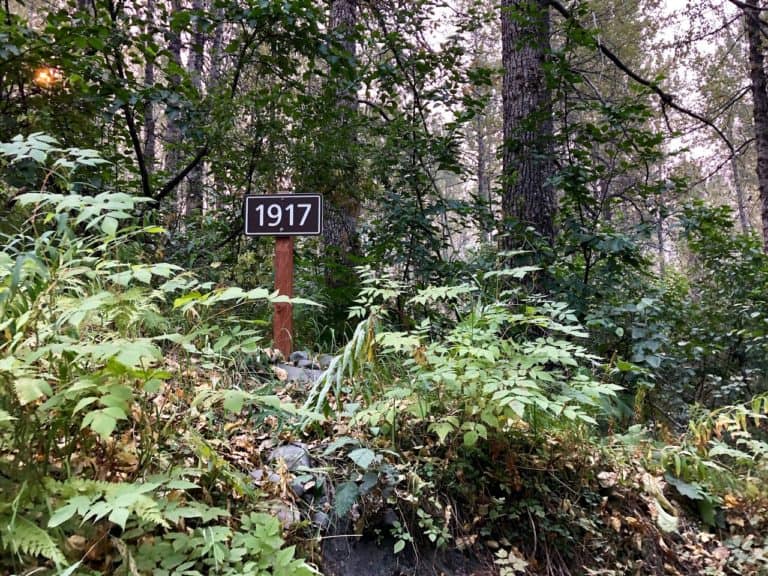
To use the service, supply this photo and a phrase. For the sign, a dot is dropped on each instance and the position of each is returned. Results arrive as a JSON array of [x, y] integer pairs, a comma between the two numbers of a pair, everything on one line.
[[284, 215]]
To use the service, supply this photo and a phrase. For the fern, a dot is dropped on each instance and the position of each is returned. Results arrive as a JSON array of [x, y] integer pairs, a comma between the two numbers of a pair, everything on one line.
[[148, 510], [24, 537]]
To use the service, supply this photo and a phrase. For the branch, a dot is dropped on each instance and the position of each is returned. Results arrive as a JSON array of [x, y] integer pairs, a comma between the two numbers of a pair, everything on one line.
[[753, 13], [146, 188], [745, 6], [176, 180], [376, 107], [724, 162], [119, 71], [666, 98], [203, 151]]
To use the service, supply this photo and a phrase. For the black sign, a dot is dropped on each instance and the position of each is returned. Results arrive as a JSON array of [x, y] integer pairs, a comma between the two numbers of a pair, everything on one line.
[[284, 215]]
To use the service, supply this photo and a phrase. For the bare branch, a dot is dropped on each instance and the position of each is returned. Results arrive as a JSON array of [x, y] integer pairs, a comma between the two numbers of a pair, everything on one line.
[[666, 98]]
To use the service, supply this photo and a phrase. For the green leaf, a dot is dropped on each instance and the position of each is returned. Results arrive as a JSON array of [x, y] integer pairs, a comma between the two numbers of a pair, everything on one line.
[[181, 485], [470, 438], [100, 422], [109, 226], [71, 570], [234, 400], [62, 515], [399, 546], [134, 353], [232, 293], [442, 429], [340, 442], [119, 516], [707, 511], [142, 275], [693, 491], [624, 366], [30, 389], [653, 361], [5, 417], [346, 494], [363, 457], [83, 403]]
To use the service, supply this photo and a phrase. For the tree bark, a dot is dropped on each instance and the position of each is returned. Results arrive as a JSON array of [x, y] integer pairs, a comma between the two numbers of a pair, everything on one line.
[[527, 197], [150, 148], [342, 207], [194, 199], [172, 138], [759, 82], [741, 201]]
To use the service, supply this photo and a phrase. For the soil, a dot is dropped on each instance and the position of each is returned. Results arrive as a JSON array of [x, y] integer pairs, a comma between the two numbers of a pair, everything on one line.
[[344, 555]]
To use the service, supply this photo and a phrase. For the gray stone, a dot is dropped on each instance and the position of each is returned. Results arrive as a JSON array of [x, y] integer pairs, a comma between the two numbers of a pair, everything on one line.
[[324, 360], [309, 365], [298, 356], [302, 375], [294, 455], [321, 520], [288, 515]]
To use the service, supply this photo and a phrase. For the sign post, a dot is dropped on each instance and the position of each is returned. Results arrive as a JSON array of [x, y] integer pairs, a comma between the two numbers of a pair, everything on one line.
[[282, 321], [283, 216]]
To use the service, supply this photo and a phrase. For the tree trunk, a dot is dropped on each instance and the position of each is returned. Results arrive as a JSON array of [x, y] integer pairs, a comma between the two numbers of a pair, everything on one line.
[[660, 211], [150, 151], [527, 197], [483, 178], [760, 106], [741, 202], [342, 207], [172, 139], [194, 199], [218, 65]]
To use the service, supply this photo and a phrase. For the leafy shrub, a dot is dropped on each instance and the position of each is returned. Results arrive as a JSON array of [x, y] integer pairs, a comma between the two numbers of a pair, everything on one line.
[[89, 397], [499, 366], [457, 397]]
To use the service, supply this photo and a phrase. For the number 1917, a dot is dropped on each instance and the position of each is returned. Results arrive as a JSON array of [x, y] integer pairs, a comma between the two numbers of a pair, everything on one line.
[[272, 215]]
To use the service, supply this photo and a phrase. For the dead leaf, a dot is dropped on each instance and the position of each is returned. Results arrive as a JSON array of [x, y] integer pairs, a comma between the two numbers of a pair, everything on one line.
[[280, 373], [607, 479]]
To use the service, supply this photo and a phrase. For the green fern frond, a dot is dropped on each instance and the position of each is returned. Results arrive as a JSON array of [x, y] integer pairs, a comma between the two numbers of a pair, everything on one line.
[[21, 536], [148, 511]]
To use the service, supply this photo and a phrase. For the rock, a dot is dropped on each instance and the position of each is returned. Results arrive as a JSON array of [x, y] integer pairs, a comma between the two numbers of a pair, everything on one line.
[[321, 520], [261, 476], [296, 374], [288, 515], [324, 360], [308, 365], [294, 455], [280, 373], [297, 357]]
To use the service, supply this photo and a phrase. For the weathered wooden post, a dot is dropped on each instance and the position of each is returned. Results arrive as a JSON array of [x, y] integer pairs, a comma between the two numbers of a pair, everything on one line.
[[282, 322], [283, 216]]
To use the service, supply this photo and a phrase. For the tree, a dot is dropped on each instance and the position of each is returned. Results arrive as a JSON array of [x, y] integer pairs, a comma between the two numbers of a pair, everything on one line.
[[342, 205], [754, 26], [527, 197]]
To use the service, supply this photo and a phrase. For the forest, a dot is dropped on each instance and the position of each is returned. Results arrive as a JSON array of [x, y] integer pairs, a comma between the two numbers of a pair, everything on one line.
[[530, 337]]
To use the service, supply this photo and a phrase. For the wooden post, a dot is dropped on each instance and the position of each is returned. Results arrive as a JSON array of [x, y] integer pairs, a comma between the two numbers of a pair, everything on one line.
[[282, 322]]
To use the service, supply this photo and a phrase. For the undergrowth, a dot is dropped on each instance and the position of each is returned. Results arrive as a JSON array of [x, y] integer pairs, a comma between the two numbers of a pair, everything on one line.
[[139, 408]]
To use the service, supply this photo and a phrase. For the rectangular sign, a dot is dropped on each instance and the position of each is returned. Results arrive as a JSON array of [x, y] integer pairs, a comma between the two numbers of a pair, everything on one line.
[[283, 215]]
